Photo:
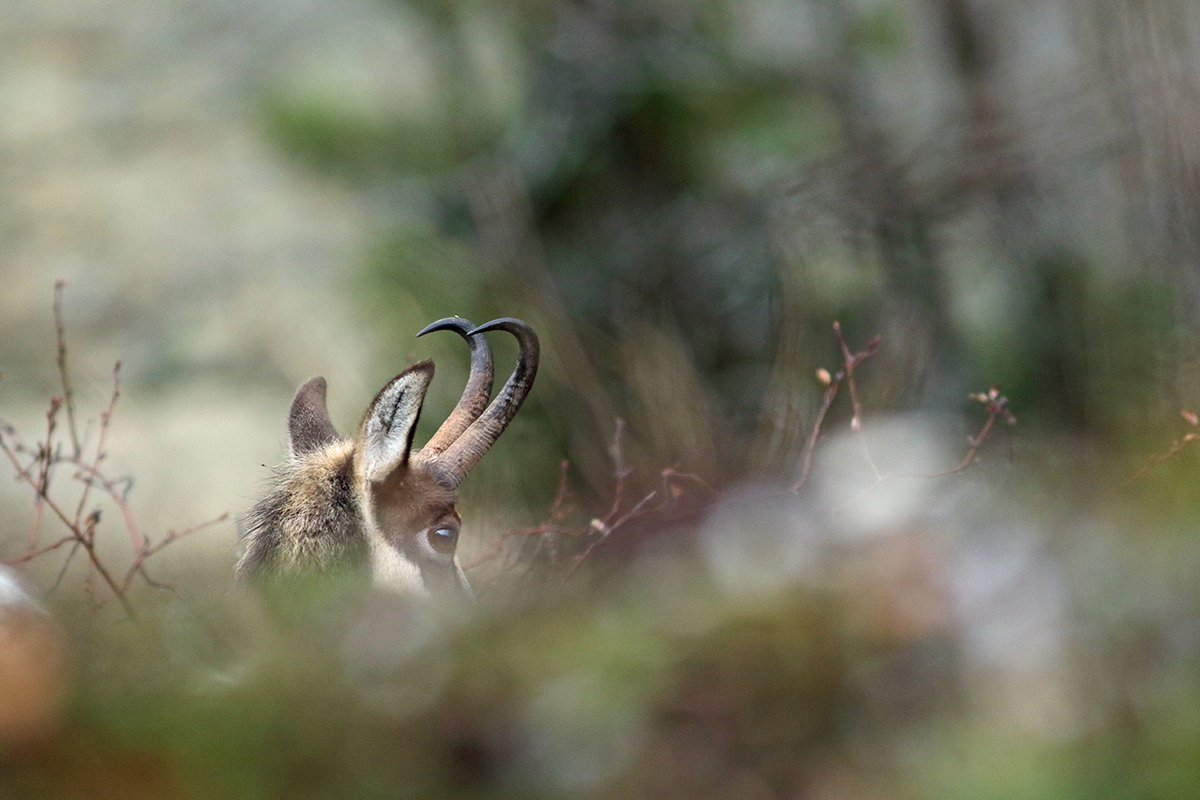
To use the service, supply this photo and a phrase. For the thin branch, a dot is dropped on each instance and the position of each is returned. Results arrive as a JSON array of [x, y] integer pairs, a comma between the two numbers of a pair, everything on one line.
[[633, 513], [1153, 461], [27, 477], [88, 476], [559, 510], [64, 374], [62, 572], [147, 550], [44, 462], [550, 532], [82, 525], [88, 539], [101, 452], [832, 383], [86, 536], [620, 470], [497, 546], [32, 554], [672, 488], [605, 531], [996, 405], [831, 390]]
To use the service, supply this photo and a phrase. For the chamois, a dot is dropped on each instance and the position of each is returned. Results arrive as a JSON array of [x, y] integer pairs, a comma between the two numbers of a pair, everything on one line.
[[372, 504]]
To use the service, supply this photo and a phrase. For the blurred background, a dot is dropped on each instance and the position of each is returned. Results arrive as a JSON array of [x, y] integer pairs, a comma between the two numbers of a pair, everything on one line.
[[682, 198]]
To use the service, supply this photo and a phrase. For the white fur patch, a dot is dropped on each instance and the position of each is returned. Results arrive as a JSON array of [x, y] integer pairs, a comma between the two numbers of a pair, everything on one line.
[[392, 571]]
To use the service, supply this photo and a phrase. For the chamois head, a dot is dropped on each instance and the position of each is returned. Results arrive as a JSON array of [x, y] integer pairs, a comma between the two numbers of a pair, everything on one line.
[[372, 503]]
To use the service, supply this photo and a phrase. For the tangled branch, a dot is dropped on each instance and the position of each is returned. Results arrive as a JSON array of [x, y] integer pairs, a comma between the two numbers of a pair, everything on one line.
[[37, 467]]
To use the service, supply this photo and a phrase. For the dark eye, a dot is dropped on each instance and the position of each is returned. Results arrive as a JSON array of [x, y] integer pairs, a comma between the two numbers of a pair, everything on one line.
[[443, 540]]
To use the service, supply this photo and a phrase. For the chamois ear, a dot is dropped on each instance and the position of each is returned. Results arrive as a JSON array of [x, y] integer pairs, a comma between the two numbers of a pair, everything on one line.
[[385, 437], [309, 426]]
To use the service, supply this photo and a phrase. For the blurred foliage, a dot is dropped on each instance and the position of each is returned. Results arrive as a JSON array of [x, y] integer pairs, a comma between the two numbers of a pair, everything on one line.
[[674, 678], [682, 198], [730, 178], [598, 695]]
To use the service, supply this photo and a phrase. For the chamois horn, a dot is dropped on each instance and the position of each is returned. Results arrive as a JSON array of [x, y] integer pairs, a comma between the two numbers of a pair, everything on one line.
[[460, 457], [475, 394]]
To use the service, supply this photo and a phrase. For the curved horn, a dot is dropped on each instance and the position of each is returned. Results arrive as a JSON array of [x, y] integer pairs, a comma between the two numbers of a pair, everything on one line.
[[476, 393], [465, 453]]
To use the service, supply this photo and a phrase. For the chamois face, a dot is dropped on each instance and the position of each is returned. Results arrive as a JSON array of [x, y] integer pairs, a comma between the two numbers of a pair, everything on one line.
[[372, 505], [417, 526]]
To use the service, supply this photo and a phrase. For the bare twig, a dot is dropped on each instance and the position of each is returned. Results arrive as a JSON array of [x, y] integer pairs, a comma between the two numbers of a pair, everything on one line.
[[64, 374], [44, 461], [620, 470], [89, 475], [832, 384], [852, 360], [101, 452], [605, 529], [831, 390], [996, 405], [600, 529], [82, 525], [146, 550], [559, 510], [84, 534], [62, 571], [672, 478], [29, 555], [1183, 441]]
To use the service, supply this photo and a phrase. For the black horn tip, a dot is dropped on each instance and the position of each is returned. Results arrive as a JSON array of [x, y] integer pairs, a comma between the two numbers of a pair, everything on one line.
[[511, 324], [463, 327]]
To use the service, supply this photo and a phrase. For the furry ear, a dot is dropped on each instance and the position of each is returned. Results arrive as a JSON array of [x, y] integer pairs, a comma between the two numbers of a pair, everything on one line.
[[385, 437], [309, 426]]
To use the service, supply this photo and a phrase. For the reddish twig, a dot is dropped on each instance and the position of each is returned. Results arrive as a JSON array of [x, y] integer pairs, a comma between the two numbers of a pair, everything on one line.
[[605, 529], [672, 478], [832, 384], [82, 524], [559, 510], [551, 531], [1153, 461], [620, 470], [64, 375], [101, 452], [89, 476], [602, 528], [44, 461], [86, 537], [146, 550], [996, 405], [32, 554]]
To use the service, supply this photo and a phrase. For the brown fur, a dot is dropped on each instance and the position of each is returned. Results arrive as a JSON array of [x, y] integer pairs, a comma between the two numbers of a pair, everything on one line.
[[311, 521]]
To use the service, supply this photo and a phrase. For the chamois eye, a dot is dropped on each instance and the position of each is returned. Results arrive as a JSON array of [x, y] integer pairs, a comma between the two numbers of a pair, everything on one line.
[[443, 540]]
